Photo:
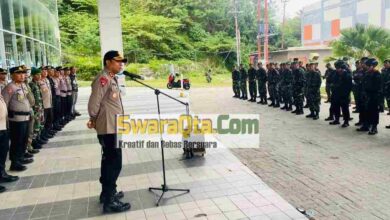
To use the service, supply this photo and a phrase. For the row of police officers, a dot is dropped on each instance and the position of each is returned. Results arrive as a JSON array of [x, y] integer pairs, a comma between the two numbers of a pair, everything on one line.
[[32, 110], [293, 83]]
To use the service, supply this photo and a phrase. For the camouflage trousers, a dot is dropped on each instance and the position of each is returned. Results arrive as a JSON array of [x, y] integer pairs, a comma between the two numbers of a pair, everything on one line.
[[314, 100], [244, 90], [252, 89], [236, 88], [298, 97], [286, 93]]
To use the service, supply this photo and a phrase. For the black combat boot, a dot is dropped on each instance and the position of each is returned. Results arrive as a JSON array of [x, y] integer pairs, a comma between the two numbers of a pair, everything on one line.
[[284, 107], [300, 111], [113, 205], [345, 124], [373, 130], [118, 195], [316, 115], [289, 108], [335, 122], [364, 128], [311, 115], [17, 167], [277, 105]]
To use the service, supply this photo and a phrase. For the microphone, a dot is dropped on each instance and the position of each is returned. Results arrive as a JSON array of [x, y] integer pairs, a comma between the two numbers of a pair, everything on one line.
[[132, 75]]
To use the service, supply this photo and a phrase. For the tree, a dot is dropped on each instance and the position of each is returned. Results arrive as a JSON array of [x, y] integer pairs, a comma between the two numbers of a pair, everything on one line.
[[363, 40]]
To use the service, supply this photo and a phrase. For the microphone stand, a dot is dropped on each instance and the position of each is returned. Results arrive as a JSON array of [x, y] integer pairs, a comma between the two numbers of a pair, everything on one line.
[[164, 188]]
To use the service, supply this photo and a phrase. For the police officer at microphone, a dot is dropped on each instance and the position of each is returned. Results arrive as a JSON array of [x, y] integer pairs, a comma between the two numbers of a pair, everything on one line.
[[104, 103]]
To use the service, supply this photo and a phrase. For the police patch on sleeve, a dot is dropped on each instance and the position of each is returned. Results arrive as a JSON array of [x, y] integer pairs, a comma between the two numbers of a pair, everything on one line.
[[103, 81]]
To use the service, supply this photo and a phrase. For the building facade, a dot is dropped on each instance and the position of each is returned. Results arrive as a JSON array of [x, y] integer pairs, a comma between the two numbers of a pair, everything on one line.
[[323, 21], [29, 33]]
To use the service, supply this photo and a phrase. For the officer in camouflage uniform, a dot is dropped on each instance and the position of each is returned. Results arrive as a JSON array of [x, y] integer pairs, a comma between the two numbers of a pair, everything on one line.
[[252, 83], [328, 75], [286, 85], [261, 76], [243, 80], [313, 85], [298, 88], [37, 108], [273, 83], [236, 82]]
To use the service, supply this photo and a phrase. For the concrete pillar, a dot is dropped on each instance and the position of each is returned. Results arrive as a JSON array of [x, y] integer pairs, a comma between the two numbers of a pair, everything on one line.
[[110, 26]]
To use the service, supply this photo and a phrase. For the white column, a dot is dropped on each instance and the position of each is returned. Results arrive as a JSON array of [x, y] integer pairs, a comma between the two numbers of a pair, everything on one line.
[[110, 26]]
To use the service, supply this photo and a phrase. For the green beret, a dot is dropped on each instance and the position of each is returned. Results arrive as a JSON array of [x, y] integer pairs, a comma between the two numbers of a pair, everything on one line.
[[35, 71]]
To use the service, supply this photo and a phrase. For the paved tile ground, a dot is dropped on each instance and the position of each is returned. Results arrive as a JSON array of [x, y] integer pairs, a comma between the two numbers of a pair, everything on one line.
[[339, 173], [62, 183]]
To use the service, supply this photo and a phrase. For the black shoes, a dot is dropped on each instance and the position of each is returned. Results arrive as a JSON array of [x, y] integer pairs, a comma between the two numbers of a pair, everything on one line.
[[17, 167], [2, 189], [329, 119], [363, 129], [311, 115], [388, 127], [115, 206], [26, 160], [336, 122], [345, 124], [28, 155], [5, 178], [373, 131], [119, 195]]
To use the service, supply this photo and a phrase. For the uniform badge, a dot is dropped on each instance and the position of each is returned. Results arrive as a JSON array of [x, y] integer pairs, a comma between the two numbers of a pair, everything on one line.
[[103, 81], [114, 95], [20, 97]]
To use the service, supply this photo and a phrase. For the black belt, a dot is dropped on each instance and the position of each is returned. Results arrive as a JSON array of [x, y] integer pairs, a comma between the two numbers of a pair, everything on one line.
[[19, 113]]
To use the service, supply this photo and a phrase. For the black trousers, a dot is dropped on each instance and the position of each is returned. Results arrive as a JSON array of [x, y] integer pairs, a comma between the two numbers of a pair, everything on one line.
[[64, 106], [58, 107], [19, 138], [344, 108], [111, 164], [4, 148], [69, 104], [373, 109], [48, 118]]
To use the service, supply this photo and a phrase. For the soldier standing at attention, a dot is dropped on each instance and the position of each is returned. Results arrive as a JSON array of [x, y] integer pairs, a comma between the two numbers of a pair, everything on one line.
[[328, 75], [69, 94], [262, 83], [45, 87], [373, 89], [313, 82], [19, 113], [286, 84], [3, 79], [236, 82], [341, 94], [75, 90], [298, 86], [38, 109], [104, 104], [64, 95], [243, 79], [252, 83]]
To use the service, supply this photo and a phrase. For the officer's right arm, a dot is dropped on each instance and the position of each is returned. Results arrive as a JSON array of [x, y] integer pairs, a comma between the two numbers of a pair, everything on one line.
[[99, 89]]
